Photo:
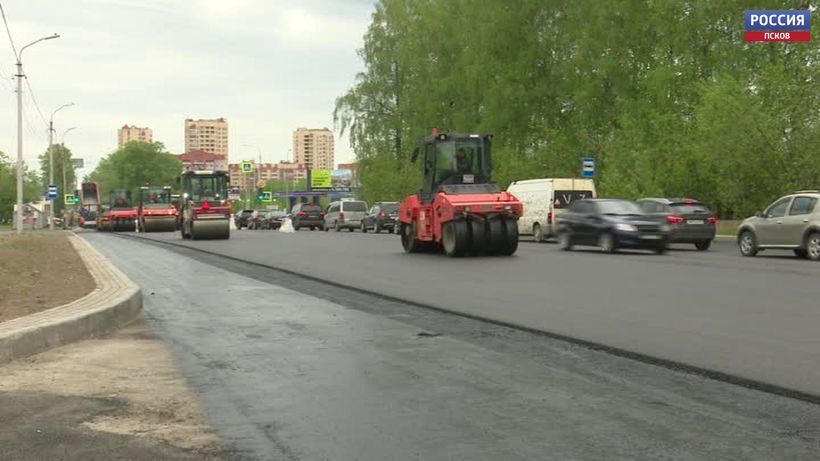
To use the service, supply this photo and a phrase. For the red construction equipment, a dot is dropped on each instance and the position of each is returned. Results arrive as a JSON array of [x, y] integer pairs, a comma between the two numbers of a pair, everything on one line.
[[156, 212], [121, 216], [458, 209], [204, 207]]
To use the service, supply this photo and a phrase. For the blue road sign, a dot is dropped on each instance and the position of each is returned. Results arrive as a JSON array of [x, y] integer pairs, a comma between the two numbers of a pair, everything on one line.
[[588, 167], [52, 191]]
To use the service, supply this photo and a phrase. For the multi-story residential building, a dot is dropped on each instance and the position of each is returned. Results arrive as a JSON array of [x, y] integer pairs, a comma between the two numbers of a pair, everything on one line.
[[201, 160], [208, 135], [127, 134], [313, 147]]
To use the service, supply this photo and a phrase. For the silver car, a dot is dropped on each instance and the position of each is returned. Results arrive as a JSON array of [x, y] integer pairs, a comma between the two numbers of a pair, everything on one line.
[[790, 223], [345, 214]]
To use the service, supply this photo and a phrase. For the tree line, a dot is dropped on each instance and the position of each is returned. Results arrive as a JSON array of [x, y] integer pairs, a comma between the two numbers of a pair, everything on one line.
[[667, 96]]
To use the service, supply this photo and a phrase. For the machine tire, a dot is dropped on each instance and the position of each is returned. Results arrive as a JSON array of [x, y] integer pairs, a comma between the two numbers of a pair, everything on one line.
[[704, 245], [363, 227], [511, 237], [606, 242], [408, 238], [537, 233], [478, 237], [747, 243], [454, 238], [497, 238]]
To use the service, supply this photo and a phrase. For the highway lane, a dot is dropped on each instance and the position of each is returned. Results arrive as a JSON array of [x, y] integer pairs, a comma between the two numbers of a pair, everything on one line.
[[754, 318], [289, 375]]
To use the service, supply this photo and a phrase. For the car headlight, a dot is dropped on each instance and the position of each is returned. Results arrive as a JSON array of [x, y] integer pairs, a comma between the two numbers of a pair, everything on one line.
[[626, 227]]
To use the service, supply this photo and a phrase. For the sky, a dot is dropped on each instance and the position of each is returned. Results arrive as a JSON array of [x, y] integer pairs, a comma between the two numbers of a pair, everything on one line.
[[267, 66]]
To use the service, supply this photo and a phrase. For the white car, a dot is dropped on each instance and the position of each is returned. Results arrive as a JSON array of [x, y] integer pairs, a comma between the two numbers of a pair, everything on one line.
[[544, 199]]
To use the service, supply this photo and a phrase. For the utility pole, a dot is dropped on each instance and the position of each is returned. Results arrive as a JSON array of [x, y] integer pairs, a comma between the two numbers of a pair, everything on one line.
[[63, 155], [20, 76]]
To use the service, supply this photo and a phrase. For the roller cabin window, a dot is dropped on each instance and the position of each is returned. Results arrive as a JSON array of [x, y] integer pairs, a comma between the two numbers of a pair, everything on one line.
[[211, 188], [457, 158]]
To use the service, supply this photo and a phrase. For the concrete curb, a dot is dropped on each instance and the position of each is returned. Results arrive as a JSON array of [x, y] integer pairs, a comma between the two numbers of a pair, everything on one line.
[[115, 302]]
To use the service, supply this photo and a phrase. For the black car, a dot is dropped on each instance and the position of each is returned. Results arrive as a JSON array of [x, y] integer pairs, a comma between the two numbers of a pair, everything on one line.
[[689, 220], [241, 218], [610, 224], [307, 215], [274, 219], [382, 215]]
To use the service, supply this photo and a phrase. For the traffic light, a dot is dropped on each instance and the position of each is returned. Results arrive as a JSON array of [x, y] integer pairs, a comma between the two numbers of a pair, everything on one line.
[[259, 193]]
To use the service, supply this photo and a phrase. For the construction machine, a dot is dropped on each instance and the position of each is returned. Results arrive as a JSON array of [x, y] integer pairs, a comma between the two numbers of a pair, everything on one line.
[[458, 209], [156, 211], [121, 213], [204, 207]]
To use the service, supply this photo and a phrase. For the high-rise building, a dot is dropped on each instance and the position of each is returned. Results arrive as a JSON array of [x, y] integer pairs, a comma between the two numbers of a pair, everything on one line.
[[313, 147], [127, 134], [207, 135]]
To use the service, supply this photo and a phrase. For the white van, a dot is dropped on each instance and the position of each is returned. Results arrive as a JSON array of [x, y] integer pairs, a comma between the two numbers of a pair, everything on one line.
[[544, 199]]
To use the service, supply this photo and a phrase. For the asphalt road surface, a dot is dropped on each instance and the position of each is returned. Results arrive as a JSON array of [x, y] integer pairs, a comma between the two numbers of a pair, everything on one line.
[[754, 318], [319, 372]]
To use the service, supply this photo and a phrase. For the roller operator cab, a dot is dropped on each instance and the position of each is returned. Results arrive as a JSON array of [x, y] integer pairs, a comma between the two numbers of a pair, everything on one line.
[[204, 210], [156, 211], [121, 215], [458, 209]]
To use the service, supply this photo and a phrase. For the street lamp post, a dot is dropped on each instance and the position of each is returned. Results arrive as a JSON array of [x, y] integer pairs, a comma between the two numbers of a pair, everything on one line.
[[257, 174], [51, 161], [20, 76], [62, 162]]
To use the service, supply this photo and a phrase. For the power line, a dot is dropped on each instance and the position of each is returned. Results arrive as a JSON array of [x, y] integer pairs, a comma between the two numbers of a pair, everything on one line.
[[8, 31], [34, 100]]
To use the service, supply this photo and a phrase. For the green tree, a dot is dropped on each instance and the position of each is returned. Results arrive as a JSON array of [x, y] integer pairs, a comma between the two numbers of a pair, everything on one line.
[[134, 165], [63, 170], [32, 188]]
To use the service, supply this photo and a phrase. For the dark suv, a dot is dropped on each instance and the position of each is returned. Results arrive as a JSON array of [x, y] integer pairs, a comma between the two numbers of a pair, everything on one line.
[[689, 220], [382, 215], [241, 218], [307, 215]]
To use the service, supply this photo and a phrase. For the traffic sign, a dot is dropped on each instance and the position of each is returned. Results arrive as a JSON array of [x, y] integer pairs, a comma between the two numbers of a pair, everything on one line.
[[77, 163], [247, 167], [261, 183], [588, 167], [266, 197], [52, 191], [70, 199]]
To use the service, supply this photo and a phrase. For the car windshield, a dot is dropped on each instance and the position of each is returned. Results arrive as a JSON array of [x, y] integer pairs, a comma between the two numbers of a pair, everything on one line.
[[619, 207], [354, 206]]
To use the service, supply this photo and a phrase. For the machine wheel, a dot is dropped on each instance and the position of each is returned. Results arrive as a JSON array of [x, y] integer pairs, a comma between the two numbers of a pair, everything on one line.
[[337, 227], [606, 241], [376, 228], [537, 233], [813, 246], [704, 245], [408, 238], [747, 243], [454, 238], [364, 228], [565, 240], [478, 237], [497, 238], [511, 237], [312, 227]]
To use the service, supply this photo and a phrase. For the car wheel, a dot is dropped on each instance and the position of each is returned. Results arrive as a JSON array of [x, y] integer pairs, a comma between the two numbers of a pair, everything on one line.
[[661, 248], [704, 245], [813, 246], [564, 240], [538, 234], [606, 242], [337, 227], [363, 228], [296, 227], [747, 243]]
